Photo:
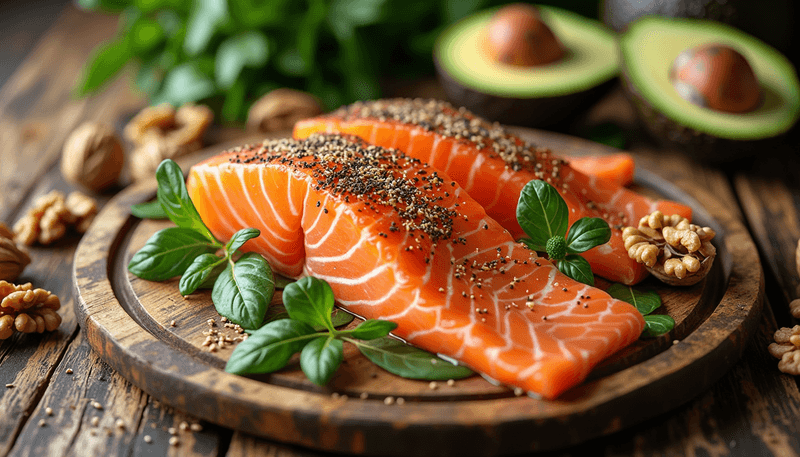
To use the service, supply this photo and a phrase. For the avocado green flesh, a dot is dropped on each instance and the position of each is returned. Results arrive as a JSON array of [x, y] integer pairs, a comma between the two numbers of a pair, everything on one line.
[[590, 58], [649, 48]]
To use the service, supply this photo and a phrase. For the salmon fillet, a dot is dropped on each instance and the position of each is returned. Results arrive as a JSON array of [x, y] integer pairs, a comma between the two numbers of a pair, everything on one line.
[[493, 166], [399, 240]]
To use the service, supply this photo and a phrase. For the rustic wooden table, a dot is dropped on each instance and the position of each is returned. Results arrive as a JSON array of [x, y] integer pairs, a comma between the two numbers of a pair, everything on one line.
[[56, 378]]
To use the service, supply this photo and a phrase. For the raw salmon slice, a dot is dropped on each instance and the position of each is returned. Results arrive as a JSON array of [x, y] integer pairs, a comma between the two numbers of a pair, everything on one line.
[[399, 240], [493, 166], [616, 168]]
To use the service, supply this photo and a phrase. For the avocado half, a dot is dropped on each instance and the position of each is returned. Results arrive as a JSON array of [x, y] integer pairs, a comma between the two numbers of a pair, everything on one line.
[[648, 49], [541, 96]]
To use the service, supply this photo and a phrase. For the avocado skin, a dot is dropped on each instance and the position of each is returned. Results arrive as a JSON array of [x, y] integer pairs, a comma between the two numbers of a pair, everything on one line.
[[545, 112], [772, 21], [699, 146]]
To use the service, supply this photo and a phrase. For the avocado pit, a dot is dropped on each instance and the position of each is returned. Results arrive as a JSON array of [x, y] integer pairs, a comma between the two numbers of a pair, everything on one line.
[[516, 35], [717, 77]]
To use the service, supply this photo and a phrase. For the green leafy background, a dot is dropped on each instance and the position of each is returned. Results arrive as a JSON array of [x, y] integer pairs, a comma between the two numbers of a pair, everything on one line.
[[228, 53]]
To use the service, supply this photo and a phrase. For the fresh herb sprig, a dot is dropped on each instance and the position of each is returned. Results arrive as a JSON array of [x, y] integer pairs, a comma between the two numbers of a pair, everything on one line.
[[242, 285], [543, 215], [310, 330], [646, 303]]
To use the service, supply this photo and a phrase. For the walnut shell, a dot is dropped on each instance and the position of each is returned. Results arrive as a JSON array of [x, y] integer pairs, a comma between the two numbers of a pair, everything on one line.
[[280, 109], [92, 156], [12, 259]]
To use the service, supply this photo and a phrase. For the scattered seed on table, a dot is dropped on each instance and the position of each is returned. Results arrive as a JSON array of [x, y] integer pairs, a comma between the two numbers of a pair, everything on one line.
[[148, 439], [48, 411], [174, 441], [196, 427], [69, 371], [42, 423], [95, 421]]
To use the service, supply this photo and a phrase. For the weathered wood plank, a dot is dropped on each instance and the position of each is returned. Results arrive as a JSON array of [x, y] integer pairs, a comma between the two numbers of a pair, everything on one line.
[[95, 411], [38, 110]]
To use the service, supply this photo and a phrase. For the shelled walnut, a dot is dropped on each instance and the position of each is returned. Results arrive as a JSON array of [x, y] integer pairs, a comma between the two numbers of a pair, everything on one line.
[[51, 216], [280, 109], [27, 310], [787, 348], [92, 156], [673, 250], [161, 132], [12, 259]]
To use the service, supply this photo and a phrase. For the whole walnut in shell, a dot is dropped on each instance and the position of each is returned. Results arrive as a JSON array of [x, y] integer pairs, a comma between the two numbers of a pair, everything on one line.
[[280, 109], [12, 259], [92, 156]]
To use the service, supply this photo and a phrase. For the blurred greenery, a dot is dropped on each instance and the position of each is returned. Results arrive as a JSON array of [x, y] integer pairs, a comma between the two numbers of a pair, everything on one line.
[[228, 53]]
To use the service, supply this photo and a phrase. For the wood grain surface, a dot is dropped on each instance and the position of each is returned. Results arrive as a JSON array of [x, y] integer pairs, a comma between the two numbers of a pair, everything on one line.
[[128, 322], [752, 409]]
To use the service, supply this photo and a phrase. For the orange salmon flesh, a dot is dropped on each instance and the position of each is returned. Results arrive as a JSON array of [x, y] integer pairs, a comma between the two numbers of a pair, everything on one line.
[[493, 166], [399, 240]]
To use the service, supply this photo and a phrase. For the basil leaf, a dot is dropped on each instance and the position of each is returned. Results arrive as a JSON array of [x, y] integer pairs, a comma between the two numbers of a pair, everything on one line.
[[645, 302], [183, 84], [206, 17], [320, 358], [249, 49], [372, 329], [310, 300], [541, 213], [145, 35], [168, 253], [243, 291], [340, 318], [586, 233], [282, 281], [577, 268], [239, 238], [149, 210], [269, 348], [198, 272], [175, 201], [407, 361], [657, 325], [109, 58]]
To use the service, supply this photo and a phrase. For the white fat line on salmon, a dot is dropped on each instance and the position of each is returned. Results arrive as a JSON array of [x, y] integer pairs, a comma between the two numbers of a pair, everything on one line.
[[498, 193], [353, 281], [309, 226], [331, 228], [205, 188], [266, 191], [223, 191], [259, 212], [453, 154], [477, 164], [378, 300], [341, 257]]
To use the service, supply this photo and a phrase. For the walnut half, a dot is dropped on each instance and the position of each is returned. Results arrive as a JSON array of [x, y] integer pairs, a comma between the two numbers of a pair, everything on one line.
[[787, 348], [280, 109], [52, 214], [673, 250], [27, 310]]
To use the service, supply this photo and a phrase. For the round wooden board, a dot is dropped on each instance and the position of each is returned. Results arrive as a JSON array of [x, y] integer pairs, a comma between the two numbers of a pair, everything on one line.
[[128, 321]]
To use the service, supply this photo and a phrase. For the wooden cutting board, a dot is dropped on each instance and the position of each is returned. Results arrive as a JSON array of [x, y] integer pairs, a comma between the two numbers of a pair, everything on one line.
[[153, 336]]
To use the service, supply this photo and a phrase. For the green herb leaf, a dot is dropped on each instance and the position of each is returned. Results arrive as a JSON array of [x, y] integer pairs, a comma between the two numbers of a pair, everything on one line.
[[372, 329], [645, 302], [586, 233], [145, 35], [269, 348], [109, 58], [175, 201], [320, 358], [198, 273], [183, 84], [149, 210], [577, 268], [407, 361], [541, 213], [239, 238], [206, 17], [168, 253], [657, 325], [282, 281], [340, 318], [243, 291], [310, 300], [249, 49]]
